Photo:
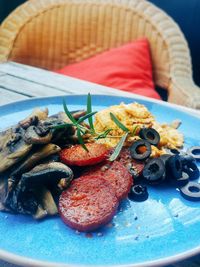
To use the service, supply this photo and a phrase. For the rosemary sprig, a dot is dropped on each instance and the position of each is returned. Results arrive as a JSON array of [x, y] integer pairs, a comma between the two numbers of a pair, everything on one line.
[[87, 116], [134, 130], [104, 134], [89, 110], [118, 148], [82, 129], [80, 139], [118, 123], [69, 115]]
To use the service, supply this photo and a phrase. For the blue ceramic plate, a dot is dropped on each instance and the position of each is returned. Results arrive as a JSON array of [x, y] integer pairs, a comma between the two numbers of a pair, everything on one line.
[[163, 229]]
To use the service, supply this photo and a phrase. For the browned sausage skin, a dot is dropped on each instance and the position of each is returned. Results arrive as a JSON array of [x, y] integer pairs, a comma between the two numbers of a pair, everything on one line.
[[88, 204]]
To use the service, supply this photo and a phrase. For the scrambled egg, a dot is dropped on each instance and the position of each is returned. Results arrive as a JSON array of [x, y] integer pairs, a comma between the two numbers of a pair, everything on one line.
[[135, 116]]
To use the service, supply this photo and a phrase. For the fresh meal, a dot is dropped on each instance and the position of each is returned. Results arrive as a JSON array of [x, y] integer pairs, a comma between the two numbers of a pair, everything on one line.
[[82, 164]]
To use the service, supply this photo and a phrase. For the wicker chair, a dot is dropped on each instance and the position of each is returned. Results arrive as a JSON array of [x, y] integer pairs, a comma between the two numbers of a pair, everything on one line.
[[52, 33]]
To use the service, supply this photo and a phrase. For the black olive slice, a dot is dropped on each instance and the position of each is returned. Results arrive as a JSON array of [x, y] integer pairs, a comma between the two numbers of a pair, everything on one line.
[[194, 151], [185, 159], [140, 150], [174, 167], [165, 158], [183, 180], [191, 191], [174, 151], [151, 135], [154, 171], [138, 193], [191, 169]]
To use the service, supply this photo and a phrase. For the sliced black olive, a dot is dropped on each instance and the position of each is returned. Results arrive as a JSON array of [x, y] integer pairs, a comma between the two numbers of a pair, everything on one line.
[[140, 150], [185, 159], [138, 193], [191, 191], [182, 181], [191, 169], [194, 151], [175, 151], [154, 171], [174, 167], [165, 158], [150, 135]]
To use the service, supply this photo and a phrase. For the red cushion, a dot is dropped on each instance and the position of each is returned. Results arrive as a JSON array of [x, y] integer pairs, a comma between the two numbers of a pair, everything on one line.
[[126, 68]]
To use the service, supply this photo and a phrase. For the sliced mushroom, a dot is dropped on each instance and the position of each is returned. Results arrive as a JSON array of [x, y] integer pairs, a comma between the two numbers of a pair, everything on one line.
[[23, 197], [38, 135], [40, 213], [12, 147], [36, 156], [29, 162], [3, 191], [45, 131], [46, 201], [37, 115], [48, 173]]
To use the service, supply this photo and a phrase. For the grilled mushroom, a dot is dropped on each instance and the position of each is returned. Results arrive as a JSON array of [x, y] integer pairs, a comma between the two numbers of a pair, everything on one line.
[[30, 161], [17, 141], [48, 173], [37, 115], [23, 198], [38, 135], [12, 147], [3, 190]]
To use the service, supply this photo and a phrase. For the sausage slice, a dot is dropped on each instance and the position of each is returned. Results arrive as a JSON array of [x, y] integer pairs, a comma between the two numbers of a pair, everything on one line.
[[88, 204], [116, 174]]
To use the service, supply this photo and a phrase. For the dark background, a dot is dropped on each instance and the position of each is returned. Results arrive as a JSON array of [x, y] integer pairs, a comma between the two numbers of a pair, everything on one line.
[[185, 12]]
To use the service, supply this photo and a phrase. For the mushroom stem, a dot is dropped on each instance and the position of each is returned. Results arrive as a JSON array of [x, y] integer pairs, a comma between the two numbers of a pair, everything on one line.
[[46, 200]]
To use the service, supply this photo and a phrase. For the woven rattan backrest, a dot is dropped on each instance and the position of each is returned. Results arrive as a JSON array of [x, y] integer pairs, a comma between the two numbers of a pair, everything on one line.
[[52, 33]]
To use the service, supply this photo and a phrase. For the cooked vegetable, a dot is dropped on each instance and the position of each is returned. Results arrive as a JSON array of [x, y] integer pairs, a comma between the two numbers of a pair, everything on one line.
[[185, 158], [47, 202], [37, 115], [34, 157], [78, 156], [23, 197], [174, 167], [191, 169], [150, 135], [38, 135], [183, 180], [138, 193], [154, 171], [47, 174], [3, 191], [165, 158], [140, 150], [191, 191], [12, 147], [17, 141]]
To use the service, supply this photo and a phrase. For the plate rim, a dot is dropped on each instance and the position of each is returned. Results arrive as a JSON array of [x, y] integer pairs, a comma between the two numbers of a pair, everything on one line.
[[187, 110], [29, 262], [25, 261]]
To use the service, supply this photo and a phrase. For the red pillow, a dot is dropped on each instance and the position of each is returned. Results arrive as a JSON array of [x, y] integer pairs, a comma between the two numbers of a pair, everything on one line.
[[126, 68]]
